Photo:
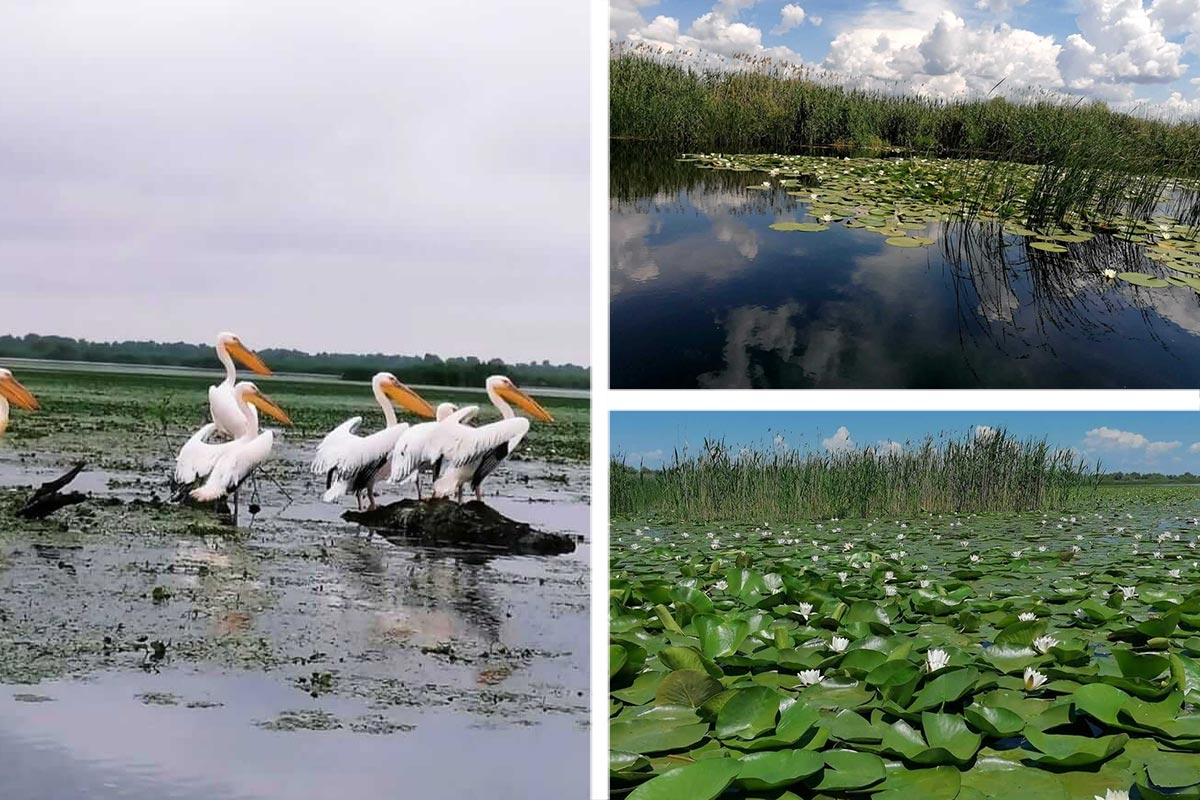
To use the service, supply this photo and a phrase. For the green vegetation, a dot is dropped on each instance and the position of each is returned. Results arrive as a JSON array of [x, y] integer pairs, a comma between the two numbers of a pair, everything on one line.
[[1040, 162], [1004, 655], [770, 105], [114, 420], [427, 369], [971, 474]]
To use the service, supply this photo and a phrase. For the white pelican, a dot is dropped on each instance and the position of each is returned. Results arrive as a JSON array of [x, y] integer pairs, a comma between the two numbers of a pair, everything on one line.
[[237, 459], [224, 407], [417, 449], [12, 390], [469, 455], [353, 463]]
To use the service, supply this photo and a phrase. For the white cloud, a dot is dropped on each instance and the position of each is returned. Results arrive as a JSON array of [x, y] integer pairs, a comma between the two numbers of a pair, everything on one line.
[[1112, 438], [1194, 447], [951, 58], [1115, 439], [780, 442], [887, 447], [840, 442], [1119, 42], [647, 457], [790, 16], [1179, 16], [1001, 8], [984, 432]]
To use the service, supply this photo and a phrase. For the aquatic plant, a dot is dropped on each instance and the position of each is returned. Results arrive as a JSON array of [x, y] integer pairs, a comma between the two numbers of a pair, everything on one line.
[[967, 473], [1008, 656]]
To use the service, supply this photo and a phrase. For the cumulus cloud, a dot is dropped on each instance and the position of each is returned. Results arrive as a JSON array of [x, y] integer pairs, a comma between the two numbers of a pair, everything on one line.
[[646, 457], [840, 442], [952, 58], [984, 432], [790, 16], [1119, 43], [1105, 438], [1194, 447], [888, 447]]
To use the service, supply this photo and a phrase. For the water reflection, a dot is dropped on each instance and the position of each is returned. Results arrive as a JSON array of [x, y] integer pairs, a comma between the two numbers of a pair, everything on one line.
[[705, 295]]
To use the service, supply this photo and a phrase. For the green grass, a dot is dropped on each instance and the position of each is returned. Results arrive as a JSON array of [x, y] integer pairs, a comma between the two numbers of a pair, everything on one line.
[[102, 414], [969, 474]]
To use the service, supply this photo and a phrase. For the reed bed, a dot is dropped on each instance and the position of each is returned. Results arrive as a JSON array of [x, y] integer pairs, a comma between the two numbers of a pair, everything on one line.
[[965, 474], [1094, 163]]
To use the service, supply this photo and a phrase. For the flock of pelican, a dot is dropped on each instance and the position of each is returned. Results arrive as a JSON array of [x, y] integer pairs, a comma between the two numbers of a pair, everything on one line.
[[456, 453]]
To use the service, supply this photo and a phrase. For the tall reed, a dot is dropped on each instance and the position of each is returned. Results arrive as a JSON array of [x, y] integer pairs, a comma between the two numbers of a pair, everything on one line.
[[965, 474]]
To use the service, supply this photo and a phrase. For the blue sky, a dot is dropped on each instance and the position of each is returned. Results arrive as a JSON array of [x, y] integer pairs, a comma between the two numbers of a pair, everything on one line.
[[1134, 54], [1142, 441]]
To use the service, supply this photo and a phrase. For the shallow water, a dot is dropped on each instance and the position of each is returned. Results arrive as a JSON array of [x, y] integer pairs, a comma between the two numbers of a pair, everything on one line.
[[705, 295], [450, 672]]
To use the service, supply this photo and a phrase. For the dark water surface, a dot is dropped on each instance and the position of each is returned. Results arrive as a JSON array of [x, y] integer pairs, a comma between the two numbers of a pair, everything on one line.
[[704, 295], [454, 673]]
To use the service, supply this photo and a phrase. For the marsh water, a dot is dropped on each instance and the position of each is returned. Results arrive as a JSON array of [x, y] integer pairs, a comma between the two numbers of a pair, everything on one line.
[[148, 651], [704, 294]]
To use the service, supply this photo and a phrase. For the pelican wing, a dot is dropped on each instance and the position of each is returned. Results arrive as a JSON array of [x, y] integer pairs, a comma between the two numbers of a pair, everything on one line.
[[352, 463], [235, 465], [465, 445], [197, 457], [333, 448]]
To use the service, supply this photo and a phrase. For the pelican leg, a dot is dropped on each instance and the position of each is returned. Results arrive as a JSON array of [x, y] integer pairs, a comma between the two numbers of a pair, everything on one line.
[[479, 493], [371, 504], [419, 485], [235, 507]]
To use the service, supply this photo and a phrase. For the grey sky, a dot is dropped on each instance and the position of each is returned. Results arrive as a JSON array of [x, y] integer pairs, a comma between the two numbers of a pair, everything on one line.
[[308, 175]]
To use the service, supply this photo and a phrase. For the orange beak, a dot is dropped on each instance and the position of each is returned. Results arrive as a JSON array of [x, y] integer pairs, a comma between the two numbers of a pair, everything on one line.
[[406, 398], [17, 394], [515, 396], [247, 357], [268, 406]]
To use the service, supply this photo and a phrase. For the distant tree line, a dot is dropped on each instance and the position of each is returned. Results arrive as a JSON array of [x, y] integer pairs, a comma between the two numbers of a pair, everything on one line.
[[429, 368], [1148, 477]]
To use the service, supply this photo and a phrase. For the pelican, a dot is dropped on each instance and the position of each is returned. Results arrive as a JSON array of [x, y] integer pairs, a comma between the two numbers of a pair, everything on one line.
[[468, 455], [355, 463], [226, 412], [417, 449], [236, 459], [12, 390]]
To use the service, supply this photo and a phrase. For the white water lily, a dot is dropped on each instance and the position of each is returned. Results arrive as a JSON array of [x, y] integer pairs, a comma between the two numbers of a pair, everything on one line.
[[936, 659], [889, 576], [925, 583], [1130, 592], [839, 644], [1174, 573], [974, 558], [1033, 679], [1080, 614], [810, 677], [1027, 616], [843, 576], [1043, 643], [1016, 553], [805, 610], [890, 591], [1113, 794]]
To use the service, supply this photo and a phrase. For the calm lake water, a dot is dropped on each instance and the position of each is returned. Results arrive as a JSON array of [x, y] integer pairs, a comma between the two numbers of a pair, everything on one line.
[[705, 295]]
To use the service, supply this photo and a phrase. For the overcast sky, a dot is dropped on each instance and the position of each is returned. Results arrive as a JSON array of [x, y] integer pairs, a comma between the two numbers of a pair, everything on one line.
[[1138, 55], [1135, 441], [351, 176]]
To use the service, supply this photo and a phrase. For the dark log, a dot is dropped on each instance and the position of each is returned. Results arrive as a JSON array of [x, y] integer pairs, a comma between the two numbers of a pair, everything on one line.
[[47, 498], [446, 522]]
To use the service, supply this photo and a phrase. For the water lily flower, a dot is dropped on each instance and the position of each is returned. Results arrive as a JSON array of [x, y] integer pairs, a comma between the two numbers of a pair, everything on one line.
[[974, 558], [843, 576], [1174, 573], [1027, 616], [805, 610], [1130, 592], [925, 583], [839, 644], [889, 576], [1033, 679], [936, 659], [810, 677], [1043, 643], [1113, 794], [1016, 553]]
